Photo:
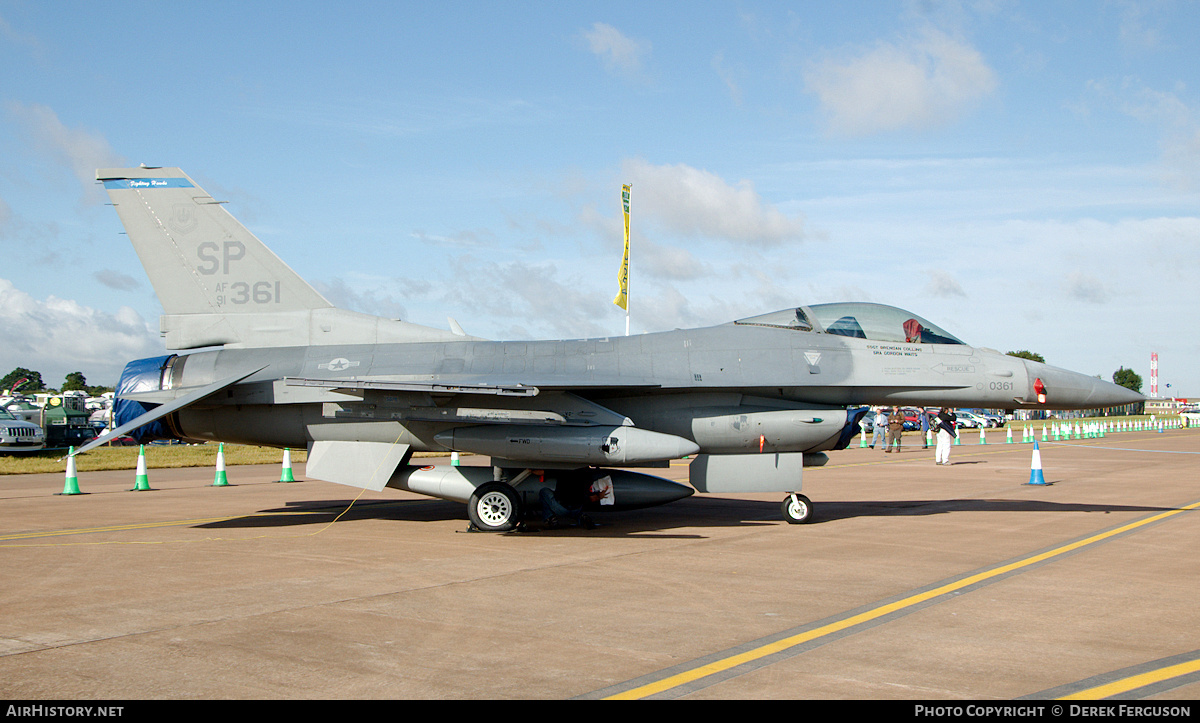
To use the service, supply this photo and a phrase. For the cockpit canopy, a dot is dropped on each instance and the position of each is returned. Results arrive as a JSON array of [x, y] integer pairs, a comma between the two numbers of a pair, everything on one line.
[[876, 322]]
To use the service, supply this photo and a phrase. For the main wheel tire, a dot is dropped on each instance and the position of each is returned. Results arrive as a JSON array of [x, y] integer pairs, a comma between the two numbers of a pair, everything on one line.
[[797, 509], [494, 507]]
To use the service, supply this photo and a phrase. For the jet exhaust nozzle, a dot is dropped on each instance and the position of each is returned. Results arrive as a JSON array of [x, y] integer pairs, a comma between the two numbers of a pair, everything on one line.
[[143, 375]]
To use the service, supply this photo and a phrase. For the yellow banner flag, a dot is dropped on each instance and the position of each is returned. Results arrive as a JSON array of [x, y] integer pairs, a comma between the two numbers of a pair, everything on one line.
[[622, 299]]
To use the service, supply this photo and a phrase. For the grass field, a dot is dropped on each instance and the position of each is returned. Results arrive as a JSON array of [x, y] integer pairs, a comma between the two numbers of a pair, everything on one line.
[[157, 457]]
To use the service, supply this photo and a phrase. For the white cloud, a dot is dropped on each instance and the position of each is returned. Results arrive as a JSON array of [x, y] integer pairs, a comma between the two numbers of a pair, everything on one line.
[[1179, 123], [116, 280], [727, 77], [692, 202], [670, 262], [477, 238], [79, 149], [918, 83], [57, 336], [17, 38], [943, 285], [1086, 287], [618, 51], [1133, 31], [367, 295], [522, 300]]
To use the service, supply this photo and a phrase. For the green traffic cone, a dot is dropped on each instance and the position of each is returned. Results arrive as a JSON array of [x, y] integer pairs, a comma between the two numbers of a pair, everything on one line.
[[141, 482], [221, 480], [71, 487], [287, 475]]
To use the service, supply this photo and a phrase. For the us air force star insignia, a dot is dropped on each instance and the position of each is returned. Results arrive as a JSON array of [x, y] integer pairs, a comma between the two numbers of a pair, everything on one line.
[[812, 357], [340, 364]]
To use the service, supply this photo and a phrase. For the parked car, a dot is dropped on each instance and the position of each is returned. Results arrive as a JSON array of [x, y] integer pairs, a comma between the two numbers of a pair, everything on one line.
[[995, 420], [971, 420], [912, 420], [17, 435]]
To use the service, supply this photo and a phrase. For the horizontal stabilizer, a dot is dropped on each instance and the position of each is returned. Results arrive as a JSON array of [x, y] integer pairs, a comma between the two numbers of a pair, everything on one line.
[[745, 473], [367, 465], [163, 410]]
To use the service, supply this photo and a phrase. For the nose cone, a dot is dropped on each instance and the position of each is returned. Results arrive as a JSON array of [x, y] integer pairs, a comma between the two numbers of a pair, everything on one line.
[[1072, 390]]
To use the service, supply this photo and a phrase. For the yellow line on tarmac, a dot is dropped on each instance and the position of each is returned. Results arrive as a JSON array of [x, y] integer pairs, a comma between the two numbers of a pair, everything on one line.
[[758, 653], [143, 525], [1134, 682]]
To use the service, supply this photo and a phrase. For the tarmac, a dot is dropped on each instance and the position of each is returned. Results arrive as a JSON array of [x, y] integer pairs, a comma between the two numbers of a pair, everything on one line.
[[913, 582]]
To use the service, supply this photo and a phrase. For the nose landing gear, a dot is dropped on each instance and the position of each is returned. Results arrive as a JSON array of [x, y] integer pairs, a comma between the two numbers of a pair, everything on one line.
[[797, 509]]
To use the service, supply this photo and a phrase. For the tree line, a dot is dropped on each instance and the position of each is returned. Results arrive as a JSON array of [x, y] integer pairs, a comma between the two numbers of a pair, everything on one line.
[[29, 381]]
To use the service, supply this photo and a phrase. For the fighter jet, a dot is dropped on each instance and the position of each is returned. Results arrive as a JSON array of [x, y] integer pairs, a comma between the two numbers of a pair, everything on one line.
[[269, 361]]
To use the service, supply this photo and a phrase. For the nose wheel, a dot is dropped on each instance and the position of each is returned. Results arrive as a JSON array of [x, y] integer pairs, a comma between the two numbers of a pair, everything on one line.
[[797, 509]]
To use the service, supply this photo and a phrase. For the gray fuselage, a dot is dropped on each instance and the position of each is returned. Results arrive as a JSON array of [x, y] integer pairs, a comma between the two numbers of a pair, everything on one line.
[[675, 382]]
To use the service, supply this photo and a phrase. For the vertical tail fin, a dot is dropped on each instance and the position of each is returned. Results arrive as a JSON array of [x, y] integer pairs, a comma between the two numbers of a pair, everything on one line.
[[218, 284], [198, 257]]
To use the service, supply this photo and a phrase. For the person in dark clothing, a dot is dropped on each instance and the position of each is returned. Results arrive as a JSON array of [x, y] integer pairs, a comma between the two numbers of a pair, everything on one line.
[[566, 501], [946, 421], [895, 430]]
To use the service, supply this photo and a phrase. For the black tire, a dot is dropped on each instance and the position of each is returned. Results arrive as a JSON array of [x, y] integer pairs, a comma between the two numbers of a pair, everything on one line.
[[494, 507], [797, 514]]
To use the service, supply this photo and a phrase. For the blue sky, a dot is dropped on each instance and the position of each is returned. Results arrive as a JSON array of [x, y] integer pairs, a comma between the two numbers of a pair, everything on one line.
[[1024, 174]]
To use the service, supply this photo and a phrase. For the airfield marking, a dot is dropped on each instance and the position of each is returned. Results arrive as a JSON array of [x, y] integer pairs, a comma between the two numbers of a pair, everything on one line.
[[1157, 676], [1127, 449], [114, 528], [846, 626], [165, 523], [1136, 681]]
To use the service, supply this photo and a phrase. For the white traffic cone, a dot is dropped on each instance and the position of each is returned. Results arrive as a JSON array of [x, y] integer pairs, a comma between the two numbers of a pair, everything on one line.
[[71, 484], [286, 474], [1036, 477], [141, 482], [221, 479]]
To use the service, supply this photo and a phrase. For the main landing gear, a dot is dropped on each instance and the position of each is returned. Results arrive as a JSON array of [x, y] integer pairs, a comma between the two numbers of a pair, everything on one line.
[[494, 507], [797, 509]]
